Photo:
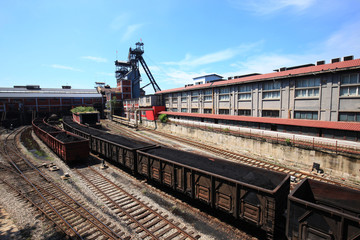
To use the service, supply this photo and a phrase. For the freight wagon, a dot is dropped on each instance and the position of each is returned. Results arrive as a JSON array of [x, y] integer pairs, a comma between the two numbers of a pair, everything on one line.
[[254, 195], [315, 210], [247, 193], [318, 210], [119, 149], [67, 146]]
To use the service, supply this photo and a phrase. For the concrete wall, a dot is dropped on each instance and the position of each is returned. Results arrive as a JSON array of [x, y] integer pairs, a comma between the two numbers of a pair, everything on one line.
[[334, 165]]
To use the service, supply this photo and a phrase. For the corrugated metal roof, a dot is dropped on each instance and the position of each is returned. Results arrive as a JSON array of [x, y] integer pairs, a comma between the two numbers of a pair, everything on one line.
[[275, 75], [48, 93], [350, 126]]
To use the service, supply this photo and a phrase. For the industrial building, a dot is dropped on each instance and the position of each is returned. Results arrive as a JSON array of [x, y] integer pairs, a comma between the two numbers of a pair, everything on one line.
[[21, 104], [317, 99]]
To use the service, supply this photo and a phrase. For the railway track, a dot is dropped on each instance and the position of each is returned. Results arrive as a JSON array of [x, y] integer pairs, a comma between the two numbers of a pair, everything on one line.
[[296, 174], [69, 215], [147, 223]]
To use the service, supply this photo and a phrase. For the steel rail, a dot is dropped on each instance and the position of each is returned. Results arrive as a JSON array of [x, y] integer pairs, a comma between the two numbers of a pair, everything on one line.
[[117, 205], [33, 204], [35, 188], [116, 236], [86, 218], [142, 204]]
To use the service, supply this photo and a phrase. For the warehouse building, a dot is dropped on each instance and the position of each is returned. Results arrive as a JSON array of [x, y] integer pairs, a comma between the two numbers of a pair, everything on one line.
[[318, 99], [23, 103]]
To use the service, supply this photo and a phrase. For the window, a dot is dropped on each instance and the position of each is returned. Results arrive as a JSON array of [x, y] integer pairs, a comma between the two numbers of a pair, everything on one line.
[[184, 110], [352, 78], [194, 110], [208, 92], [167, 99], [175, 98], [306, 115], [244, 96], [271, 86], [224, 97], [194, 99], [184, 97], [207, 98], [302, 83], [349, 116], [174, 109], [244, 112], [271, 95], [350, 91], [224, 90], [245, 88], [224, 111], [310, 92], [224, 94], [195, 96], [195, 93], [208, 95], [307, 87], [270, 113], [207, 110]]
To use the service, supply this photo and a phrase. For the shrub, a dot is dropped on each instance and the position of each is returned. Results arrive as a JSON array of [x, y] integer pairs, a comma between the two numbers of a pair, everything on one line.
[[82, 109], [163, 118]]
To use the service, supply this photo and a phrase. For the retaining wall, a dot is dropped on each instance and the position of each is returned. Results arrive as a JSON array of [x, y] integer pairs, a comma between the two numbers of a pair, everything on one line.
[[335, 165]]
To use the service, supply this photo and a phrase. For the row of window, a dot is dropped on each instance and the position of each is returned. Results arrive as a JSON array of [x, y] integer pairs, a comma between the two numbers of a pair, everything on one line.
[[305, 88]]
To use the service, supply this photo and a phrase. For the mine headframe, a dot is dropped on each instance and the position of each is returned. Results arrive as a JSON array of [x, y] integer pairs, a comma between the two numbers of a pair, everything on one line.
[[135, 56], [122, 69]]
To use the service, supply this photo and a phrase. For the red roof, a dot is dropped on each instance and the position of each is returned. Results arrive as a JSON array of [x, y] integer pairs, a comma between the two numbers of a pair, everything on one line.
[[350, 126], [288, 73]]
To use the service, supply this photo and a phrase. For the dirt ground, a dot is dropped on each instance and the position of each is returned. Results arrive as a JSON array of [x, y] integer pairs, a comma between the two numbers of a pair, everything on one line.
[[8, 229]]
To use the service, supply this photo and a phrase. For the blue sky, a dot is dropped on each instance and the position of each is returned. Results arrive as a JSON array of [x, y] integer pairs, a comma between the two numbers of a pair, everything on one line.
[[54, 43]]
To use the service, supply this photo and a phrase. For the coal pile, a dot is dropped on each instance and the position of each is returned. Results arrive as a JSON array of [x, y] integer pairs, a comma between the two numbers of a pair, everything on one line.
[[124, 141], [47, 128], [65, 138], [239, 172]]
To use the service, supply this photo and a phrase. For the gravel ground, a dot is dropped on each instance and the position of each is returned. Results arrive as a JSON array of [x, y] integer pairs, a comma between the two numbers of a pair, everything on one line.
[[201, 221], [28, 224], [32, 226]]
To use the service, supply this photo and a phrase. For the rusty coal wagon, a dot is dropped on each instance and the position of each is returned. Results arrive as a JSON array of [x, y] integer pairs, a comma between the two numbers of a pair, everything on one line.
[[67, 146], [318, 210], [255, 195], [116, 148]]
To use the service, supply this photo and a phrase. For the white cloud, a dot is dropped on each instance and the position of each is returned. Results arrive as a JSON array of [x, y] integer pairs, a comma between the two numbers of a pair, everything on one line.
[[345, 41], [57, 66], [266, 63], [95, 59], [214, 57], [182, 77], [130, 30], [119, 21], [263, 7]]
